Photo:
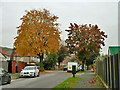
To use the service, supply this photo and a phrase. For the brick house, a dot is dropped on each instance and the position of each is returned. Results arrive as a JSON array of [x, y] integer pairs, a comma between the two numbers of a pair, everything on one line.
[[12, 66]]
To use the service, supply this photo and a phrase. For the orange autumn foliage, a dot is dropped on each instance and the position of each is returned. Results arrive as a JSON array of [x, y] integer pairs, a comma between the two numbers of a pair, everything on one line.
[[38, 33]]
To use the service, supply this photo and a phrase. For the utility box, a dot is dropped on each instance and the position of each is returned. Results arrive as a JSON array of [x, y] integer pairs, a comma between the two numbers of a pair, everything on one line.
[[73, 70]]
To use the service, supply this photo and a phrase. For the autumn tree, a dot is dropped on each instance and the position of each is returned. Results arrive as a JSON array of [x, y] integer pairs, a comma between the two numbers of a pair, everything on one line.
[[38, 34], [85, 40]]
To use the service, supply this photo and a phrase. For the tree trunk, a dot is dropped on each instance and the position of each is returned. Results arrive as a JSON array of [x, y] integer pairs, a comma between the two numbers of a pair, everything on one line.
[[83, 65], [87, 67], [41, 59], [58, 65]]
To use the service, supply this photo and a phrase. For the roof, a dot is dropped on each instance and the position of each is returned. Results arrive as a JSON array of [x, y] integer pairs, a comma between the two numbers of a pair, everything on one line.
[[18, 55], [64, 62], [3, 52], [114, 49]]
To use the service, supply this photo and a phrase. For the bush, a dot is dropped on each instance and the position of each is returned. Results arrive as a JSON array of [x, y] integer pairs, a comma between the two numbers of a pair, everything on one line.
[[94, 65], [41, 69], [50, 61]]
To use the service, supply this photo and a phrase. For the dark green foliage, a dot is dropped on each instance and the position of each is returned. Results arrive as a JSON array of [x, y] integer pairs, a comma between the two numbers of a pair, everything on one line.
[[73, 59], [62, 53], [50, 61]]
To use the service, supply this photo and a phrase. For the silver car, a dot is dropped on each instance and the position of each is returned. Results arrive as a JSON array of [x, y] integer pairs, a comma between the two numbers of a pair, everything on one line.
[[4, 77]]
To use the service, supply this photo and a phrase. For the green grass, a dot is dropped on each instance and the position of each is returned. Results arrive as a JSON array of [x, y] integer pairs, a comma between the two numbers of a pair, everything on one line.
[[15, 75], [68, 83]]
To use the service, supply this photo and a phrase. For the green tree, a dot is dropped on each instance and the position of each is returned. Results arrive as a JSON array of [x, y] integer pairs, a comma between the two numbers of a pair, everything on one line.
[[91, 59], [50, 61], [62, 53]]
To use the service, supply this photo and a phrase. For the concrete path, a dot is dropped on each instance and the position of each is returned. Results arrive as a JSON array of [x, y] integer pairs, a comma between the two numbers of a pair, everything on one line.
[[88, 80]]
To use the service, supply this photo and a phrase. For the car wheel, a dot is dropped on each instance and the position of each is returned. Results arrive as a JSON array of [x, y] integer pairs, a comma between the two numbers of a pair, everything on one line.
[[38, 74], [9, 81], [34, 75]]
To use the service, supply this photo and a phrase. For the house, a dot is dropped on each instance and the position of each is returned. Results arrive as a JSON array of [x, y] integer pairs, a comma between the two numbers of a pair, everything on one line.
[[4, 57], [113, 49], [11, 66], [64, 62], [26, 59]]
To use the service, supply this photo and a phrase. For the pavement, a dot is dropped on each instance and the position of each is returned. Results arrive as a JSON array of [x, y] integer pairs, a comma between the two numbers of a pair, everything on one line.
[[88, 80]]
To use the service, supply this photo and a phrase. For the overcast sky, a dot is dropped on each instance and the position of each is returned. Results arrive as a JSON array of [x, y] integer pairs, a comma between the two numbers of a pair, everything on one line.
[[102, 13]]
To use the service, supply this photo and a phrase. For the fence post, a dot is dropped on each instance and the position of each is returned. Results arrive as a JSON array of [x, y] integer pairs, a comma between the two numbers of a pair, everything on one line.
[[112, 71], [108, 72], [119, 67], [105, 71], [116, 72]]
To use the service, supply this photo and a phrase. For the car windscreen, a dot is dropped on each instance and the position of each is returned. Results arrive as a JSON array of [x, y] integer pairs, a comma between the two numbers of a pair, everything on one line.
[[29, 68]]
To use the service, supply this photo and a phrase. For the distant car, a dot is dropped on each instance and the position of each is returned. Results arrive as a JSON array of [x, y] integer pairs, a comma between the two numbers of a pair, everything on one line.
[[65, 68], [4, 77], [30, 71]]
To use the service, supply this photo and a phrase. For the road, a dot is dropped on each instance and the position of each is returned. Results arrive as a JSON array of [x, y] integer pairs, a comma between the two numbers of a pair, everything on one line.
[[43, 81]]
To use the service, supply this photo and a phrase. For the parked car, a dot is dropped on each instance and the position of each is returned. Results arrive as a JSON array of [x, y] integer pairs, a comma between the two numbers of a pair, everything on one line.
[[30, 71], [65, 68], [4, 77]]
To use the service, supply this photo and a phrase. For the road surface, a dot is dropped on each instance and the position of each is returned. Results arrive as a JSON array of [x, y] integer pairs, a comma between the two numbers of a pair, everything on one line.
[[43, 81]]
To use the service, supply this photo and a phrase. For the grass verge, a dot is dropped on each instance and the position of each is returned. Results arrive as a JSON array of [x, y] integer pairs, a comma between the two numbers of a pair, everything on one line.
[[15, 75], [68, 83]]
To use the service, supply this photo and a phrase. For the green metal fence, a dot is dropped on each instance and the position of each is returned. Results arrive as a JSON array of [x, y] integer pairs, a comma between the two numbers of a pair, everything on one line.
[[109, 71]]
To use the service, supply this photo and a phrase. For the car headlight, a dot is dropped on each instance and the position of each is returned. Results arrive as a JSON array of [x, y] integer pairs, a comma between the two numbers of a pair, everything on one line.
[[21, 72]]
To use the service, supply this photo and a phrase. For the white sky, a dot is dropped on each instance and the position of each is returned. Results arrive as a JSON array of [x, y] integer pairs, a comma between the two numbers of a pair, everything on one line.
[[100, 12]]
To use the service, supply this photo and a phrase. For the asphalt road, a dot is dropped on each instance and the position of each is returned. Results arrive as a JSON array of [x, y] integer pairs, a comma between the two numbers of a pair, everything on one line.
[[43, 81]]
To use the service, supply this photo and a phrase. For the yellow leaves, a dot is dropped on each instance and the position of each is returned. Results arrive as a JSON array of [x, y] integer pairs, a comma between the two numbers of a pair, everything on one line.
[[38, 33]]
